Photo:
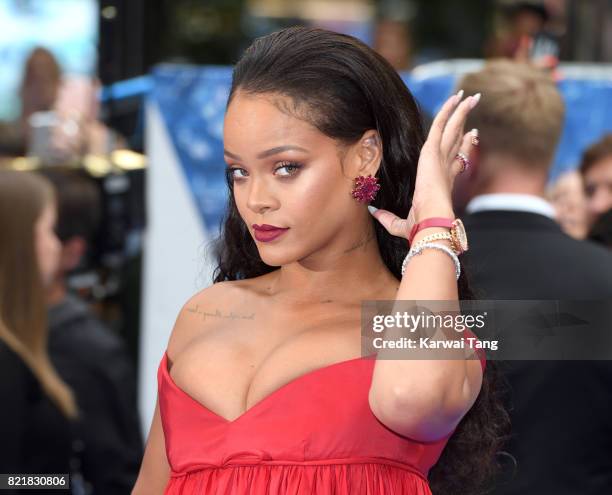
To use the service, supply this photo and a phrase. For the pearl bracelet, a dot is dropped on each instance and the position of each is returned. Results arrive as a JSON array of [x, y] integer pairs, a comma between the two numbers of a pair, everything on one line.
[[418, 249]]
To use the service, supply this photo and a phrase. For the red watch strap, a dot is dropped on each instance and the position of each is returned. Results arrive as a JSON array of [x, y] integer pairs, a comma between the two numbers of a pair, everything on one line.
[[430, 222]]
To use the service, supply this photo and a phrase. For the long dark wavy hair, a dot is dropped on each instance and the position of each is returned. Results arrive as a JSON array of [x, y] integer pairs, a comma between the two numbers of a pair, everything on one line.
[[344, 88]]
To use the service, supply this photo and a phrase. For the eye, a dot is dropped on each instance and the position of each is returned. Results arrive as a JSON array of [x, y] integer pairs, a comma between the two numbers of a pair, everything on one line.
[[230, 173], [292, 167]]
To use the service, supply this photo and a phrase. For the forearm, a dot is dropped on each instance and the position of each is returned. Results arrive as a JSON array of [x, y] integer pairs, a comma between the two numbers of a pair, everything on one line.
[[425, 394]]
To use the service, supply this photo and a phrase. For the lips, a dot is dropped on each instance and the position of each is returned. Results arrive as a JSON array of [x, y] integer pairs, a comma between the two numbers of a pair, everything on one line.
[[266, 233], [265, 226]]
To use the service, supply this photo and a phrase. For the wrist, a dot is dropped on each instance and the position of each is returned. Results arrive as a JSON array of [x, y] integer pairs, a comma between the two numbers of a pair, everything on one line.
[[437, 212]]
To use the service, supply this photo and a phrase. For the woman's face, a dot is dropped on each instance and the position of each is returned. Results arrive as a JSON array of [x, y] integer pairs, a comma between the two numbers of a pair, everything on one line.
[[47, 245], [288, 174], [598, 187]]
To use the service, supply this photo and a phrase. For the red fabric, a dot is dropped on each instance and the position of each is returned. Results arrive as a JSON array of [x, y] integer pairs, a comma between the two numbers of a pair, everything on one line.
[[314, 435]]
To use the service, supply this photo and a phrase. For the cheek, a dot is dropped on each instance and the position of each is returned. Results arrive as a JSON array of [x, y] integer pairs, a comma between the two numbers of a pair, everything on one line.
[[55, 246], [48, 254], [319, 197], [311, 193]]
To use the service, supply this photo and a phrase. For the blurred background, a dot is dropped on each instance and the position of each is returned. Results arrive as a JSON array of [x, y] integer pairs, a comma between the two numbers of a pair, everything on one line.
[[129, 95]]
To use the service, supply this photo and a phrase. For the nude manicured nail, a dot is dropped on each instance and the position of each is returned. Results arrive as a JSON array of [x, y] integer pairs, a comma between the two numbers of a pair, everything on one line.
[[475, 99], [459, 95]]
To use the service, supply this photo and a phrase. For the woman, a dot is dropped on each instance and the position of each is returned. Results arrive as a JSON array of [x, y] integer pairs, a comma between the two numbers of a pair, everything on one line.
[[38, 409], [259, 389]]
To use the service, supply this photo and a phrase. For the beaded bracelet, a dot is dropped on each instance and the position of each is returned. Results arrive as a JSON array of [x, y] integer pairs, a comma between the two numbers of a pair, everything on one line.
[[438, 236], [419, 249]]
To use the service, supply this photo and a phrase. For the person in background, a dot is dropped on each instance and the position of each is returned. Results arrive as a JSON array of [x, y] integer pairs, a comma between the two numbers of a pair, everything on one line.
[[78, 104], [39, 409], [567, 196], [560, 410], [596, 171], [522, 22], [393, 40], [601, 230], [59, 119], [39, 89], [89, 355]]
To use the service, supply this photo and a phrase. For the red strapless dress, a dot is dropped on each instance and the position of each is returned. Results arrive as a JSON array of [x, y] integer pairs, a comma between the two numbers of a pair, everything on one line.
[[314, 435]]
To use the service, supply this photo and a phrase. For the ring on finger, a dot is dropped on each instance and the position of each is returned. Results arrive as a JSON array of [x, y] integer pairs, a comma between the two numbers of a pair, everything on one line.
[[475, 140], [465, 162]]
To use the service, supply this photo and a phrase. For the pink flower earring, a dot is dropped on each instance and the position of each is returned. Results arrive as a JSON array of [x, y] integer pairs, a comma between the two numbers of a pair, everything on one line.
[[365, 188]]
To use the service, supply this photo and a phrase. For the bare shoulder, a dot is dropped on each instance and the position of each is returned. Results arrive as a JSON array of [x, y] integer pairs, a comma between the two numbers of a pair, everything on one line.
[[196, 317]]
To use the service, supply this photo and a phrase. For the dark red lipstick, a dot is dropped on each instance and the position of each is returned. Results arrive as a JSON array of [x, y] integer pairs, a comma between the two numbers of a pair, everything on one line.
[[266, 233]]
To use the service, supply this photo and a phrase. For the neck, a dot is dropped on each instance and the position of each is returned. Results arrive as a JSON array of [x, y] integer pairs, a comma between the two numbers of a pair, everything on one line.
[[348, 269], [509, 176]]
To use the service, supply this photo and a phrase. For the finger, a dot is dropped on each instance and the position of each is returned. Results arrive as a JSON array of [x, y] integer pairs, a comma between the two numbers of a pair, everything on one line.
[[457, 167], [453, 133], [440, 120], [392, 223], [473, 148]]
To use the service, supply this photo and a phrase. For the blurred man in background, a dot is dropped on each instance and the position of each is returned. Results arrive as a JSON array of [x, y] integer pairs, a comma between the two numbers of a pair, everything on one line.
[[89, 355], [560, 414]]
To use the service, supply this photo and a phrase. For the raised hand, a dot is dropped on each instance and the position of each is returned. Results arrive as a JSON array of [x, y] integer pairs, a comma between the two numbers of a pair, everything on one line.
[[439, 165]]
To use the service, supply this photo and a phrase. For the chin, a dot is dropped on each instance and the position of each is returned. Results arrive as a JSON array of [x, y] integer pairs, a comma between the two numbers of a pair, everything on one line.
[[274, 259], [280, 255]]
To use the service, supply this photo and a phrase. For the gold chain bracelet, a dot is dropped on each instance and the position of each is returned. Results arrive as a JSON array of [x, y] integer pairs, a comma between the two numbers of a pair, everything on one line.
[[435, 237]]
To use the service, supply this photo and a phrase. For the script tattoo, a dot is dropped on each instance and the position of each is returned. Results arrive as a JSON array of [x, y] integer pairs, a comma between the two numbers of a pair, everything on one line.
[[232, 315]]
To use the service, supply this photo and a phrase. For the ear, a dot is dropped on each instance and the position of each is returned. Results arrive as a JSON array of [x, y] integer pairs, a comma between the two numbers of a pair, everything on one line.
[[368, 153]]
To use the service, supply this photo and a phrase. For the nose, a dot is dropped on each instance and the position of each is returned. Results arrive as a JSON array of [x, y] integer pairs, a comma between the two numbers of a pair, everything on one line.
[[259, 196]]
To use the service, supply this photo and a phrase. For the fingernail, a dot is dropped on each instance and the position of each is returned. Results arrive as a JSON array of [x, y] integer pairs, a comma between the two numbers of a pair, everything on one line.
[[475, 139], [372, 209], [459, 95], [475, 99]]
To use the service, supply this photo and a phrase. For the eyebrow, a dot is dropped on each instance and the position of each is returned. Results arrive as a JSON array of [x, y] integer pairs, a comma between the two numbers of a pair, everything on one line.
[[267, 153]]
